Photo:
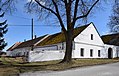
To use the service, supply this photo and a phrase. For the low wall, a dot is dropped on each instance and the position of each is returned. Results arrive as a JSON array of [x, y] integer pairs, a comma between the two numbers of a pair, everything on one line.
[[35, 56]]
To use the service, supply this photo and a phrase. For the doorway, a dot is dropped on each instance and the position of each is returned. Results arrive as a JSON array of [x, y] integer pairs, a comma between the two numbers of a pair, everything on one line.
[[110, 53]]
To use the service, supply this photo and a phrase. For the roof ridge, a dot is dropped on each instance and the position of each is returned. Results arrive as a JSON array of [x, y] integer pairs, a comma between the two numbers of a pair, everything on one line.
[[35, 38], [41, 39], [84, 25]]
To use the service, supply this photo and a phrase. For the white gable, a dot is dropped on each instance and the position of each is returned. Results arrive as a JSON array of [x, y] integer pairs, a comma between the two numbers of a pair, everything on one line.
[[85, 36]]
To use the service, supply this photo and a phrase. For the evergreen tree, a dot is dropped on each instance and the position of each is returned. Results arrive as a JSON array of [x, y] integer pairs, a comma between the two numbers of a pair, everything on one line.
[[3, 30]]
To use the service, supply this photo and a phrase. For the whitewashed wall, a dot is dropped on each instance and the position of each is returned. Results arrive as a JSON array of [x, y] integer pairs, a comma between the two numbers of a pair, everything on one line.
[[114, 50], [9, 53], [85, 36], [59, 46], [103, 51], [45, 55], [43, 48], [117, 51], [19, 51], [83, 40], [77, 51]]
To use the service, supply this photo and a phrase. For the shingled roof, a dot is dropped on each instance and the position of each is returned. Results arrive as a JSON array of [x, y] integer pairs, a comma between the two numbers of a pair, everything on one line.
[[59, 37], [111, 39]]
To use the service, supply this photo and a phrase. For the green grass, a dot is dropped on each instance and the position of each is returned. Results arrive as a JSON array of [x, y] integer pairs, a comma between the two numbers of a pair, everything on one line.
[[13, 65]]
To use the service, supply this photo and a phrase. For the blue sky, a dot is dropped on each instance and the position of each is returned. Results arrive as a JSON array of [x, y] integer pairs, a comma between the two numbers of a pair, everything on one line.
[[18, 33]]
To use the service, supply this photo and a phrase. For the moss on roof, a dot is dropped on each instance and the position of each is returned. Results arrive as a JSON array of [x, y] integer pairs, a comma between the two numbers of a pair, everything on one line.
[[59, 37], [53, 39], [112, 39]]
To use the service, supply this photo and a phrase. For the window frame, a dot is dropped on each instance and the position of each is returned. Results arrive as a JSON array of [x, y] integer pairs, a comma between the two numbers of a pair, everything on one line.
[[99, 53], [82, 52], [92, 37], [91, 52]]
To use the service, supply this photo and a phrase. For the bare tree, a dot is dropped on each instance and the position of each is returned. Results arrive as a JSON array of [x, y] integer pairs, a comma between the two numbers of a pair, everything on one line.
[[114, 18], [67, 12], [8, 5]]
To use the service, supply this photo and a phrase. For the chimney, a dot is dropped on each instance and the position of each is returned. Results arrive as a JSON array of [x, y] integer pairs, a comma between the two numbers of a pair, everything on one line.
[[24, 40]]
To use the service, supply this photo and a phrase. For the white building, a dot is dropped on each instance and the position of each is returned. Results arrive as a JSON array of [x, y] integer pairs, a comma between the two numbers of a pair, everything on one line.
[[87, 44]]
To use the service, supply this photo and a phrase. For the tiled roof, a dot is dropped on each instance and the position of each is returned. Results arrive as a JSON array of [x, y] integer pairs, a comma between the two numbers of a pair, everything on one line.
[[112, 39], [30, 43], [59, 37], [13, 46]]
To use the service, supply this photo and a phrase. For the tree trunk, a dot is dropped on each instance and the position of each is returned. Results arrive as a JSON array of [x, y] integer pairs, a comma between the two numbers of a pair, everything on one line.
[[69, 44]]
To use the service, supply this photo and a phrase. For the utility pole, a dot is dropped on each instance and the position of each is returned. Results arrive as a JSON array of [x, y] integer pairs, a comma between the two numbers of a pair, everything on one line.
[[32, 29]]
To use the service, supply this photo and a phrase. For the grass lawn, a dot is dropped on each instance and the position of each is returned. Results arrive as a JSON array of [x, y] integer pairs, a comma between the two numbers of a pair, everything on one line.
[[12, 66]]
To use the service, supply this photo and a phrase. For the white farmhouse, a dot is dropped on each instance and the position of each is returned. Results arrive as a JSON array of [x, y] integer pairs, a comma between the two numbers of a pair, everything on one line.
[[87, 44]]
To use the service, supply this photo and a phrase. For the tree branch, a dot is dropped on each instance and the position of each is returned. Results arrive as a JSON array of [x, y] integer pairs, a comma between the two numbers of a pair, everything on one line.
[[45, 7], [2, 14], [58, 16], [75, 12], [88, 11]]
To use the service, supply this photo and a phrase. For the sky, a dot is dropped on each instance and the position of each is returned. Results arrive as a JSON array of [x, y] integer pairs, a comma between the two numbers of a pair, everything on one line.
[[19, 22]]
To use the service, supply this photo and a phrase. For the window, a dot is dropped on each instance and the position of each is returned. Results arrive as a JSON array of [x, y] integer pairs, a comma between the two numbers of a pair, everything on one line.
[[82, 52], [91, 52], [91, 36], [98, 53]]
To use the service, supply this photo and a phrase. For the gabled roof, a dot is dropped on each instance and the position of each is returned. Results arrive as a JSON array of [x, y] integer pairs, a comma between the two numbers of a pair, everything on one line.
[[13, 46], [111, 39], [30, 43], [59, 37]]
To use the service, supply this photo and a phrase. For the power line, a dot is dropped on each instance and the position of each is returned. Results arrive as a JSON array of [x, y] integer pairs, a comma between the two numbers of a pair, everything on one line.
[[24, 25], [21, 17], [29, 24]]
